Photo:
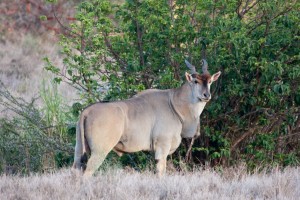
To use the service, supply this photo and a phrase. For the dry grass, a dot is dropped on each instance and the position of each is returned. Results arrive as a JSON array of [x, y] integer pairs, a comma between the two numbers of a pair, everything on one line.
[[22, 66], [121, 184]]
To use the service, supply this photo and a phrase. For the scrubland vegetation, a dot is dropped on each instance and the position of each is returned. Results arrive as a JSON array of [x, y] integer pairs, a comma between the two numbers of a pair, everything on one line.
[[56, 58]]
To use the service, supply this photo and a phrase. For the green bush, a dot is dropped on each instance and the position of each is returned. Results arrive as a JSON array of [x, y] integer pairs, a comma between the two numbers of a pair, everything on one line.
[[114, 51]]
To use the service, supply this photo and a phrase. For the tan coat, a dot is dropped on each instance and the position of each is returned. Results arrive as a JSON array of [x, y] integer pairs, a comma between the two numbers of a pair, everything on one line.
[[154, 120]]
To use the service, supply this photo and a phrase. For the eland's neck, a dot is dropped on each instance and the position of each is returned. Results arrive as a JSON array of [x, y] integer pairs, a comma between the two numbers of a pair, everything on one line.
[[186, 104]]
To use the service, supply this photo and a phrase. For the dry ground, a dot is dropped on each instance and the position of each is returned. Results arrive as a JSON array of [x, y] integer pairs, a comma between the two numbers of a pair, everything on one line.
[[121, 184]]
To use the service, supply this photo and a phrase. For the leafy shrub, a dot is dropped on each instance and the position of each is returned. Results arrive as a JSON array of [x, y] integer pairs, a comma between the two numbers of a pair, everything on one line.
[[114, 51]]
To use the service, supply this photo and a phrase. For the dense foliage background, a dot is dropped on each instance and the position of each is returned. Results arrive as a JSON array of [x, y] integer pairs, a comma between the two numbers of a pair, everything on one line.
[[115, 49]]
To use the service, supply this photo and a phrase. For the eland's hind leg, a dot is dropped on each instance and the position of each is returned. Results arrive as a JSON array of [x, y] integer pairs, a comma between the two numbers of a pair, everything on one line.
[[100, 147], [104, 130], [94, 163], [98, 154]]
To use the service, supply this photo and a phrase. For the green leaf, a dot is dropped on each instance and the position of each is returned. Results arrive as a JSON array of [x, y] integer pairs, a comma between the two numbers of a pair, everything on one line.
[[43, 17]]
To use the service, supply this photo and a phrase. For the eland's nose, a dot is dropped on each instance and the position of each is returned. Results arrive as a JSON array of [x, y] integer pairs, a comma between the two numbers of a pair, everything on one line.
[[206, 96]]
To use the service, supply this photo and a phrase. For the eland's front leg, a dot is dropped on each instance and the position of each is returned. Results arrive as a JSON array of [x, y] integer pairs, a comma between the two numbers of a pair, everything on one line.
[[161, 154], [161, 166]]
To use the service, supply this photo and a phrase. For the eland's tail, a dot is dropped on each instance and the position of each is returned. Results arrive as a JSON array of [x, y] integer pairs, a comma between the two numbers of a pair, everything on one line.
[[80, 156]]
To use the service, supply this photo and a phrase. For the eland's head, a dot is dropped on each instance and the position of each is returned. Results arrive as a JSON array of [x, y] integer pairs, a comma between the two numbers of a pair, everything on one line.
[[200, 83]]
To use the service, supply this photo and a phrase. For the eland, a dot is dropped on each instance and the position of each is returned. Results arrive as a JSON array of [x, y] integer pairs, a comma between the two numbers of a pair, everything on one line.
[[153, 120]]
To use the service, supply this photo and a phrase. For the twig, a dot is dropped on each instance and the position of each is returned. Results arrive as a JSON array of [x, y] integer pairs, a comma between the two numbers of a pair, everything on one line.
[[63, 26]]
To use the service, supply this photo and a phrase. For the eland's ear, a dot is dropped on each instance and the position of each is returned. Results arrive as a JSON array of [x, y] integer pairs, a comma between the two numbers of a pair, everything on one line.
[[215, 76], [188, 77]]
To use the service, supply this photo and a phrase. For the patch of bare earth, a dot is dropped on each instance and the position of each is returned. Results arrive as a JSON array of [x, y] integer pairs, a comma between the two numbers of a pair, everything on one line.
[[120, 184]]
